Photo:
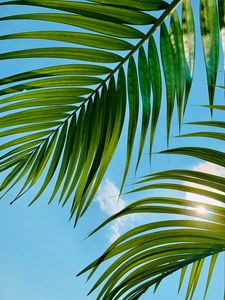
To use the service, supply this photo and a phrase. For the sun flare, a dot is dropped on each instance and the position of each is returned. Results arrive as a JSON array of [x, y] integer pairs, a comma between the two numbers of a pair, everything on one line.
[[201, 210]]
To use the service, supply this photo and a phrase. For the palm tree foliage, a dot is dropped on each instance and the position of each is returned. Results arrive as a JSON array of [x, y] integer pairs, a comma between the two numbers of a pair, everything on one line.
[[65, 121], [150, 252]]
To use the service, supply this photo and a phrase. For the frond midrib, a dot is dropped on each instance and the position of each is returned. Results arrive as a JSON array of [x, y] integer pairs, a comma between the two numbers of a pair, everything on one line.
[[154, 27]]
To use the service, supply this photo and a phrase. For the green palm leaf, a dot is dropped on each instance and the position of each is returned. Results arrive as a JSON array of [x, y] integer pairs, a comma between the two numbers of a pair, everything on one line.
[[48, 103], [210, 39], [148, 253], [69, 118]]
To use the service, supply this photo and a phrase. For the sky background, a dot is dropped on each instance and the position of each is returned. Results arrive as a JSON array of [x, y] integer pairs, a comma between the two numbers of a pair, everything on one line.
[[40, 250]]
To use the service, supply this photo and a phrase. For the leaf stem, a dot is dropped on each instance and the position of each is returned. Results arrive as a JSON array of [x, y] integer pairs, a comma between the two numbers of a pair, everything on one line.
[[158, 22]]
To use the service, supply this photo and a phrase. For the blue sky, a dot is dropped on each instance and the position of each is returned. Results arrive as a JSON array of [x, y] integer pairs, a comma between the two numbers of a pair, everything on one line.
[[40, 251]]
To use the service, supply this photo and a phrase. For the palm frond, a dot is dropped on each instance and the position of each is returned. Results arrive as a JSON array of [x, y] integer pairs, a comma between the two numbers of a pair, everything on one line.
[[66, 120], [148, 253], [55, 102], [67, 102]]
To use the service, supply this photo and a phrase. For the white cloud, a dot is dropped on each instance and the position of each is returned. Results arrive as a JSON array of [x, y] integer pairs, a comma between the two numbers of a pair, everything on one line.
[[209, 168], [108, 193], [107, 198]]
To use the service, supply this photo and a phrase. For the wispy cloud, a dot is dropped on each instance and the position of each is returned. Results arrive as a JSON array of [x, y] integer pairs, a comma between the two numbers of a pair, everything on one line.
[[209, 168], [107, 198]]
